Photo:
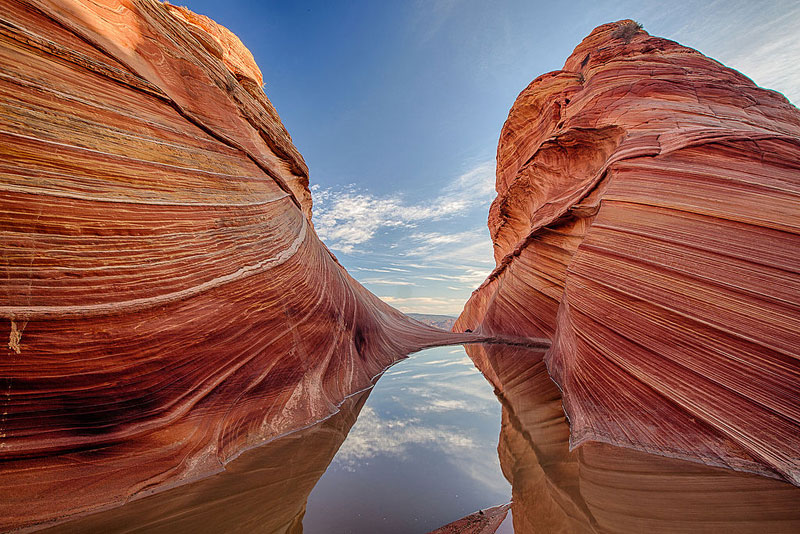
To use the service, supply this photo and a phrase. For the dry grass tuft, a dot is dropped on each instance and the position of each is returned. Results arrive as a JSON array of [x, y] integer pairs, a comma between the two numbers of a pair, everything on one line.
[[626, 31]]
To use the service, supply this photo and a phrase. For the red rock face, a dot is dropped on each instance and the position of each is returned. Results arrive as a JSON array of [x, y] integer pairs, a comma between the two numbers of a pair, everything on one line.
[[598, 488], [165, 300], [481, 522], [264, 490], [647, 221]]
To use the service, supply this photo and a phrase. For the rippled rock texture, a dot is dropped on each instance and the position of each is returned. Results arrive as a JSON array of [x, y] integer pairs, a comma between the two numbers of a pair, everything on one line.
[[647, 221], [598, 488], [165, 302]]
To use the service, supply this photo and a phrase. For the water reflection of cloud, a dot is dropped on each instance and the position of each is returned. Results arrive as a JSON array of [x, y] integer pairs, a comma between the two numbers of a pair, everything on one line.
[[446, 405], [435, 403], [464, 361], [466, 372], [372, 436]]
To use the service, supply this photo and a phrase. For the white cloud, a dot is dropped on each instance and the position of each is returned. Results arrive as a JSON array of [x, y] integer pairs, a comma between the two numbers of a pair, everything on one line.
[[414, 265], [386, 282], [469, 252], [477, 182], [435, 305], [436, 238], [454, 388], [443, 251], [346, 218]]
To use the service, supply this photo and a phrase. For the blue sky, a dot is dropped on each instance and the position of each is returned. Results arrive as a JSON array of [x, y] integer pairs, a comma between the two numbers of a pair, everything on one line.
[[397, 108]]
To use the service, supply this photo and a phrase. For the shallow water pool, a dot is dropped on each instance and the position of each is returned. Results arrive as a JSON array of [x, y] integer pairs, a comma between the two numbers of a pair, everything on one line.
[[422, 453]]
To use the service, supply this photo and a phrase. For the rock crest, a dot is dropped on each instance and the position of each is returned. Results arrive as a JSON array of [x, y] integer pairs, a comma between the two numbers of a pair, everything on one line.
[[647, 222]]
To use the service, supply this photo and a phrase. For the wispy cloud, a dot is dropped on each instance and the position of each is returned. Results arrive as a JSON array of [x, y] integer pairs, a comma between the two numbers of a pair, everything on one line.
[[774, 64], [346, 218], [469, 251], [373, 435], [439, 247], [441, 305], [386, 282], [446, 405]]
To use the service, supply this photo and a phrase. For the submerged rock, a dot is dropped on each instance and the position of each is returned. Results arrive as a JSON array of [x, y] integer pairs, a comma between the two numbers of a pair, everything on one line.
[[481, 522], [165, 299], [647, 221]]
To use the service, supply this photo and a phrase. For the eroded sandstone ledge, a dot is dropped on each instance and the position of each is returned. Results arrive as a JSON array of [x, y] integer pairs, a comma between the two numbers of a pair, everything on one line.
[[647, 221]]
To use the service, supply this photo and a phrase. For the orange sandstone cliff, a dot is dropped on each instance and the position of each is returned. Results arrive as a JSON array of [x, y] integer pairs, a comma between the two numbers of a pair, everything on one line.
[[165, 301], [647, 221]]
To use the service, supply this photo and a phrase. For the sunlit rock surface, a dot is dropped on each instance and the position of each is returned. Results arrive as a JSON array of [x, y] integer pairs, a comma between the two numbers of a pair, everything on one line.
[[599, 488], [165, 301], [647, 221]]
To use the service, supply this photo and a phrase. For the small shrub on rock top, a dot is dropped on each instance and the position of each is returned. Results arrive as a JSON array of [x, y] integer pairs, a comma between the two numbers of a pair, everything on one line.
[[626, 31]]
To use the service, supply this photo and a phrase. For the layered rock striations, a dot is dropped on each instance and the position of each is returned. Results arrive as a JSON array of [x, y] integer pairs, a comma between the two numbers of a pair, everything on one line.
[[647, 222], [598, 488], [165, 301], [264, 490]]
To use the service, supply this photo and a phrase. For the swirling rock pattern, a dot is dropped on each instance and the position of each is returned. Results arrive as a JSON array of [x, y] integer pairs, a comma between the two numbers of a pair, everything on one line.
[[164, 297], [647, 221]]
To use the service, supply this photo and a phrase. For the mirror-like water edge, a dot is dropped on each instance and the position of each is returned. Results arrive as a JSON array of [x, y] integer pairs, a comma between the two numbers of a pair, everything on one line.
[[421, 449], [422, 453]]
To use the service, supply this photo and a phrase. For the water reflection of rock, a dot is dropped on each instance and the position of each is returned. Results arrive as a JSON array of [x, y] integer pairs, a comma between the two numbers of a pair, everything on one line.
[[601, 488], [264, 490]]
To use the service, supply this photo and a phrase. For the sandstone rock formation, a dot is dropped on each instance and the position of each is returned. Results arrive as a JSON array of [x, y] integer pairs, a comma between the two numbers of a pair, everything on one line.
[[647, 221], [165, 300], [262, 491], [599, 488]]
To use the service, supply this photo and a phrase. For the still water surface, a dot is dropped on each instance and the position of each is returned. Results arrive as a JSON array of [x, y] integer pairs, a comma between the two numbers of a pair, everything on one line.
[[424, 447], [422, 453]]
